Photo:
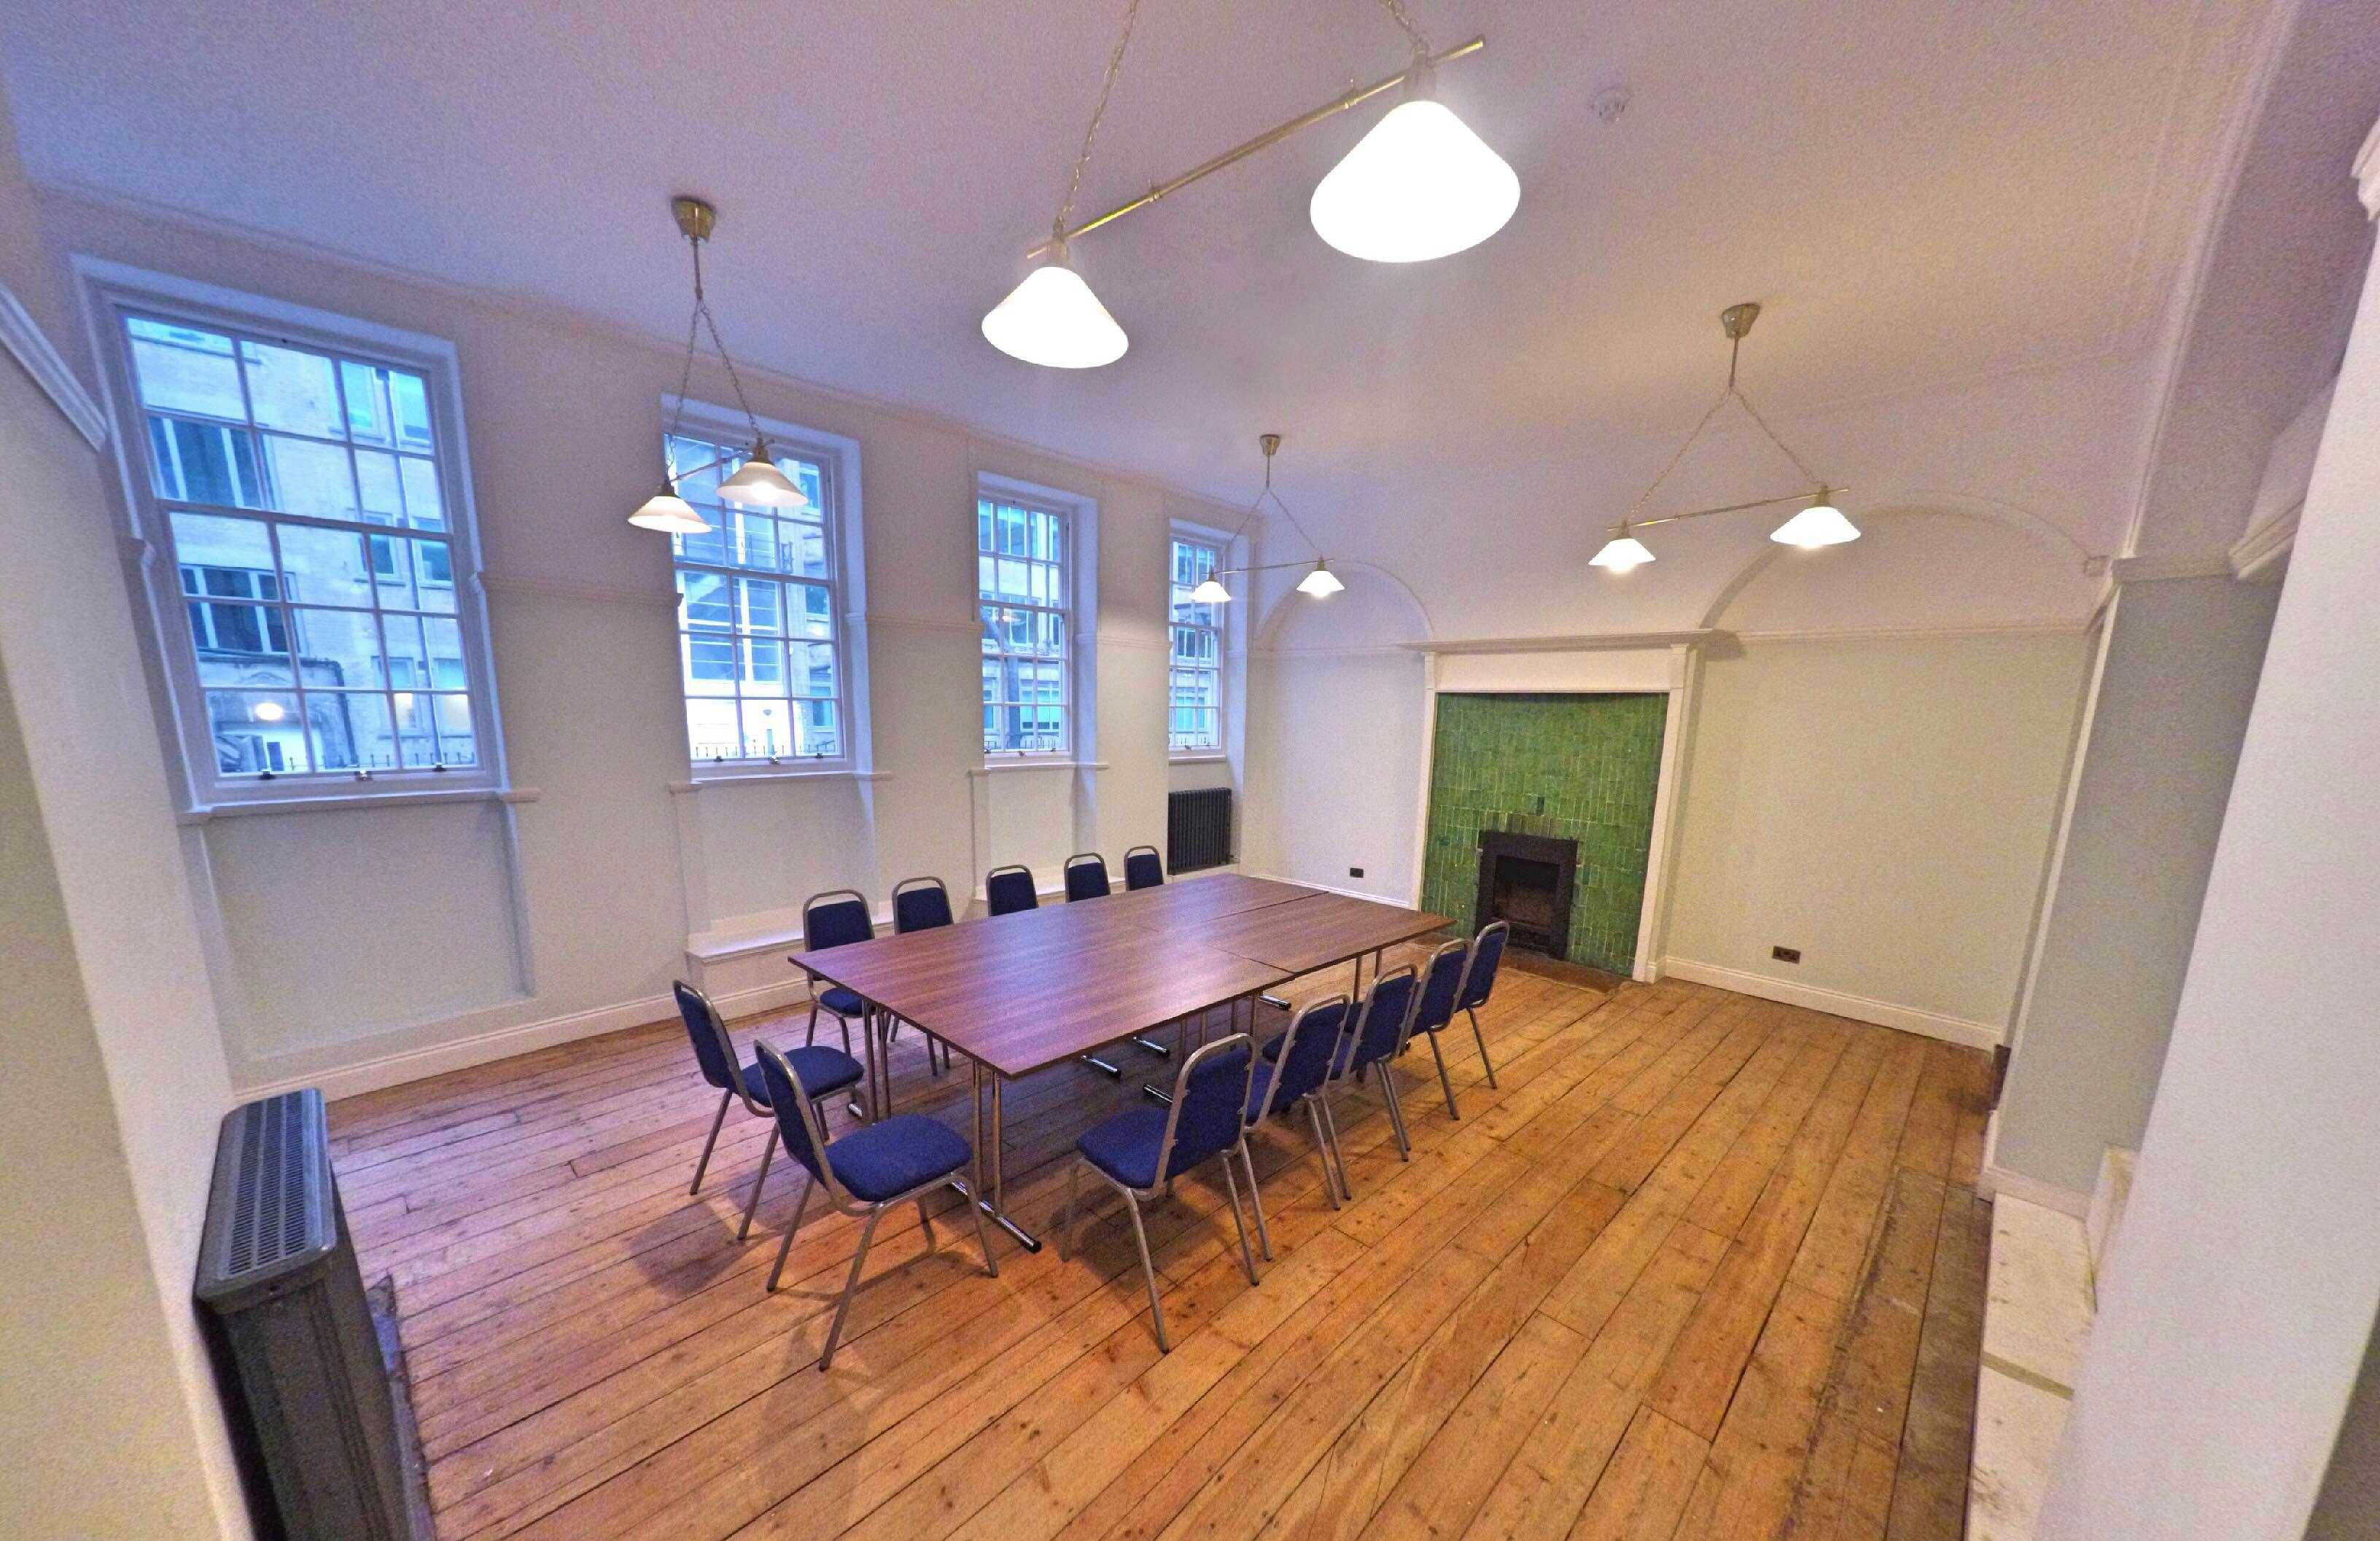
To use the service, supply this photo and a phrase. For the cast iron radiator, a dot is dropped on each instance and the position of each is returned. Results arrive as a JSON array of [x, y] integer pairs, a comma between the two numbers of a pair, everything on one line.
[[1198, 828], [303, 1381]]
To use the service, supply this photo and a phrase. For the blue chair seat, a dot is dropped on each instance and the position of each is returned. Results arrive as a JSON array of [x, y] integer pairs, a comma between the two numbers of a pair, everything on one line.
[[1261, 1091], [841, 1001], [879, 1160], [1124, 1146], [823, 1070]]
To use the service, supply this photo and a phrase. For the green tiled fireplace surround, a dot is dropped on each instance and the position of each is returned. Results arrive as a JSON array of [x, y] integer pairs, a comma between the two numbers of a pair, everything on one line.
[[1580, 767]]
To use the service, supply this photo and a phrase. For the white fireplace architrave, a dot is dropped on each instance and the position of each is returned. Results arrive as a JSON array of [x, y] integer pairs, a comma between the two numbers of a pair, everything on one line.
[[1639, 663]]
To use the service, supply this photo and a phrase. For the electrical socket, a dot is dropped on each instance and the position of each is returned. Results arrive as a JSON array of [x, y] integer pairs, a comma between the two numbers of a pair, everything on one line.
[[1786, 954], [1355, 872]]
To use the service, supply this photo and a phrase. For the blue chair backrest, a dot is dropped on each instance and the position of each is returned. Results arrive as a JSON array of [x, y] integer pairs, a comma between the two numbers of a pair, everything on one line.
[[1440, 986], [1382, 1026], [712, 1051], [791, 1103], [1486, 953], [1211, 1098], [1007, 890], [835, 922], [1086, 877], [921, 907], [1304, 1062], [1143, 867]]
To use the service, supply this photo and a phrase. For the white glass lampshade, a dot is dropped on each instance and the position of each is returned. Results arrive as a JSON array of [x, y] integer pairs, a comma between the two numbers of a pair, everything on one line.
[[1053, 320], [1322, 583], [1821, 524], [670, 513], [1420, 185], [1620, 553], [758, 483], [1210, 592]]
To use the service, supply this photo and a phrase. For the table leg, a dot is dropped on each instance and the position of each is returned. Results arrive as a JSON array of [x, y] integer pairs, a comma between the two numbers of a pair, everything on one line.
[[989, 1139], [867, 1051]]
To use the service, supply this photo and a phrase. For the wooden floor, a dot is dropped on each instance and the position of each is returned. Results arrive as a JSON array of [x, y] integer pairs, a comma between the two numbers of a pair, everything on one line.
[[1705, 1266]]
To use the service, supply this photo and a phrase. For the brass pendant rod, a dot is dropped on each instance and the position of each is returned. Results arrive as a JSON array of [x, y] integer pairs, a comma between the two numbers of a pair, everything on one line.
[[1734, 507], [1270, 137]]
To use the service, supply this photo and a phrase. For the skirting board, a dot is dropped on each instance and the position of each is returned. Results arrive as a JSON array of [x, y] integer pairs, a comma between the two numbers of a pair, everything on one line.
[[419, 1065], [1995, 1180], [1859, 1008]]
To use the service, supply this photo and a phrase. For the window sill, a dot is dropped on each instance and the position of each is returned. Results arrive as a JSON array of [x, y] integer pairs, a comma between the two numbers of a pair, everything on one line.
[[999, 766], [775, 773], [1198, 757], [354, 800]]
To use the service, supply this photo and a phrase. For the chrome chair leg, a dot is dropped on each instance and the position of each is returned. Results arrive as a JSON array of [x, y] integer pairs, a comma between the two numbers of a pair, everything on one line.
[[1239, 1223], [1444, 1081], [767, 1152], [850, 1287], [1322, 1152], [812, 1036], [924, 1222], [1338, 1155], [1066, 1229], [703, 1164], [787, 1245], [1148, 1269], [1255, 1200], [1388, 1094], [1481, 1038]]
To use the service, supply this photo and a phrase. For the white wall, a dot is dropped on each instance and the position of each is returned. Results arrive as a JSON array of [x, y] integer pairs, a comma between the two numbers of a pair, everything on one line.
[[2233, 1323], [384, 938], [2171, 704], [1884, 805], [113, 1072]]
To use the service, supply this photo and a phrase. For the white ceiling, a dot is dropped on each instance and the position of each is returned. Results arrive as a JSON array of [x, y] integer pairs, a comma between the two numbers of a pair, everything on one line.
[[1965, 221]]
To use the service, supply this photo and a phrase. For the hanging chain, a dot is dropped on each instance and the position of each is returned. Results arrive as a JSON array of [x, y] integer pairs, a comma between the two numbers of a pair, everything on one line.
[[736, 382], [1644, 496], [1734, 393], [1107, 84], [1396, 9], [1805, 471]]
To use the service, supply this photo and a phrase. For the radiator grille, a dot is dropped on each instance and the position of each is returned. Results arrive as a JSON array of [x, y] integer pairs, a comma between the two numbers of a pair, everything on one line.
[[272, 1209], [1198, 828], [268, 1223]]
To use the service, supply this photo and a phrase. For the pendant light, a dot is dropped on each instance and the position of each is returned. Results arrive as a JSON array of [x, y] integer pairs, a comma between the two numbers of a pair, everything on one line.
[[1319, 583], [1322, 583], [1211, 590], [1819, 523], [1421, 184], [757, 482], [1052, 318]]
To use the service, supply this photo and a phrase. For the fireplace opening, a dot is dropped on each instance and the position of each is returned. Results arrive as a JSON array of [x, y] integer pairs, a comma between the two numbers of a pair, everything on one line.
[[1527, 882]]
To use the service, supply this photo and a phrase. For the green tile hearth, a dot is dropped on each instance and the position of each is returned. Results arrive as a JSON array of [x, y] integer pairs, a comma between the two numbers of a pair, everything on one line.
[[1580, 767]]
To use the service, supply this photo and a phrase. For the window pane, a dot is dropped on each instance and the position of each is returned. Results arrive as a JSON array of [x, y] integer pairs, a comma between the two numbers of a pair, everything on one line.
[[425, 506], [702, 601], [376, 480], [768, 730], [351, 731], [292, 390], [446, 641], [417, 743], [338, 650], [433, 574], [367, 399], [814, 613], [407, 657], [310, 479], [709, 663], [457, 743], [818, 726], [712, 732], [204, 463], [256, 731], [410, 400], [216, 540], [764, 666], [813, 665], [181, 369], [760, 602], [324, 567]]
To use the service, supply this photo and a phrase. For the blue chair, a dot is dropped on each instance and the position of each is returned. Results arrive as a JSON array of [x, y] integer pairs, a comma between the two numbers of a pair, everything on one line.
[[1442, 987], [1370, 1045], [865, 1173], [835, 918], [827, 1071], [1086, 876], [1140, 1151], [922, 904], [1296, 1066], [1007, 890], [1143, 868], [1479, 979]]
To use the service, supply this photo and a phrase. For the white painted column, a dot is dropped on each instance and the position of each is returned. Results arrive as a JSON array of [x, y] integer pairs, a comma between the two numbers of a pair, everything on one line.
[[2235, 1317]]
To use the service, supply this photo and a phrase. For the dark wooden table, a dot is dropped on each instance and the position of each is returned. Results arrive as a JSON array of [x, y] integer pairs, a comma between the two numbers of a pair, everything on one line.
[[1019, 993]]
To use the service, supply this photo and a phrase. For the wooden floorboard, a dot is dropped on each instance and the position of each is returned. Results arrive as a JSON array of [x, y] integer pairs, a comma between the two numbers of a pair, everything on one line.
[[1697, 1264]]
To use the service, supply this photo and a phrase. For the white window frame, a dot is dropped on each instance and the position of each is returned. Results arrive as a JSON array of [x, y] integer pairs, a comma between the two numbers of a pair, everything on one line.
[[1221, 543], [1078, 623], [111, 291], [837, 458]]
